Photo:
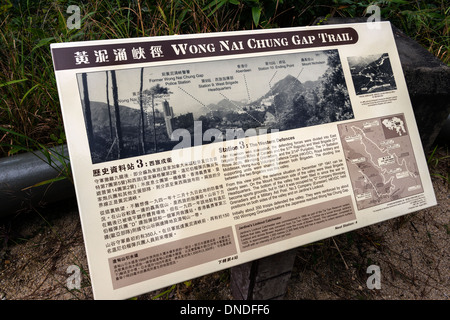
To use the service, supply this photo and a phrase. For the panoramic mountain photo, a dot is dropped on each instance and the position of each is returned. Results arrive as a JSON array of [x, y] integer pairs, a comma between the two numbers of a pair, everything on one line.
[[141, 111]]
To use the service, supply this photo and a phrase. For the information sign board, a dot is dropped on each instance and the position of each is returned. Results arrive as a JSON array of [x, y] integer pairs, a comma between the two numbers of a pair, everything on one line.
[[196, 153]]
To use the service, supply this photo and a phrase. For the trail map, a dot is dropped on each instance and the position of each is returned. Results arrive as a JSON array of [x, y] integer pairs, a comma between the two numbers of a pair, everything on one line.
[[380, 160]]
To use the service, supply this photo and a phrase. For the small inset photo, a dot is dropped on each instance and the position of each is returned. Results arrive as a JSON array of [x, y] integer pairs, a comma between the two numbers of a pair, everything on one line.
[[372, 73]]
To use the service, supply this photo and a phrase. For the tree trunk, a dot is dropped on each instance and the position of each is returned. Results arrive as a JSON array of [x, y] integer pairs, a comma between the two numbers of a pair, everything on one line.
[[117, 113], [154, 122], [141, 104], [87, 110], [109, 107]]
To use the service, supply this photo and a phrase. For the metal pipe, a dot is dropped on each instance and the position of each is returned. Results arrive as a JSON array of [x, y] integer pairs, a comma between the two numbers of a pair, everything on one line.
[[20, 173]]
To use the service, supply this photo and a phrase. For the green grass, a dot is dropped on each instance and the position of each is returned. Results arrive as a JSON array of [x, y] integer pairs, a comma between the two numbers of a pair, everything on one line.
[[438, 163], [30, 114]]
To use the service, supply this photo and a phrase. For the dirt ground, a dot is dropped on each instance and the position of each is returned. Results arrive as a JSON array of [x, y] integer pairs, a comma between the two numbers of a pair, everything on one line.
[[412, 253]]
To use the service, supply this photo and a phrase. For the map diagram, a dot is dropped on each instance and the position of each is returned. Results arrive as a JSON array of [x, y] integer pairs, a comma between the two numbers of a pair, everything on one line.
[[380, 160]]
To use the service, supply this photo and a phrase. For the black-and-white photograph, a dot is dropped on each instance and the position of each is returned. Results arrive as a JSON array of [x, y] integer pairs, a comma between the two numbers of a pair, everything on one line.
[[131, 112], [372, 73]]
